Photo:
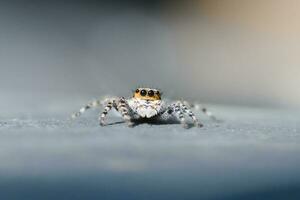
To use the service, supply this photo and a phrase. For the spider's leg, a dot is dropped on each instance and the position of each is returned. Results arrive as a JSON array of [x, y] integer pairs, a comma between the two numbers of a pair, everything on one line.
[[187, 111], [173, 110], [198, 106], [179, 114], [91, 104], [209, 114], [110, 103], [124, 109]]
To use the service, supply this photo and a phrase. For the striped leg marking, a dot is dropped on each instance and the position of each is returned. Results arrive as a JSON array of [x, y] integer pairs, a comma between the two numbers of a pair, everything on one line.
[[107, 108], [123, 108]]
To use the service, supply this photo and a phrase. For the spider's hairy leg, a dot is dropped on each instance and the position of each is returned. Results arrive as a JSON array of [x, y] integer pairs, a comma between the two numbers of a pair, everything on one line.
[[123, 108], [110, 103], [174, 110], [187, 111], [180, 115], [89, 105], [198, 106]]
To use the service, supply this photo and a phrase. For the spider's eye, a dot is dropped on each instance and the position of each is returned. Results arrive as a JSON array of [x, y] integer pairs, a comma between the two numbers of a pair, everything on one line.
[[157, 92], [143, 92], [137, 91], [150, 93]]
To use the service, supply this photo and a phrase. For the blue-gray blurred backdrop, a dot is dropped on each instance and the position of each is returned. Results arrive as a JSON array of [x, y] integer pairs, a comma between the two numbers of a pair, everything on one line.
[[56, 55]]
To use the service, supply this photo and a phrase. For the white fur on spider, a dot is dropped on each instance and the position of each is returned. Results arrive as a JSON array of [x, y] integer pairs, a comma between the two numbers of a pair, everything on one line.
[[145, 108]]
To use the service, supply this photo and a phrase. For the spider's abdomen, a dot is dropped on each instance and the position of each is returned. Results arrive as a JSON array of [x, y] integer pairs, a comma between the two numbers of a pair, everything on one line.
[[145, 108]]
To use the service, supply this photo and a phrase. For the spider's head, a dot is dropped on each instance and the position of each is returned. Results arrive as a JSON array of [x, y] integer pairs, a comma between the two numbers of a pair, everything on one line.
[[147, 94]]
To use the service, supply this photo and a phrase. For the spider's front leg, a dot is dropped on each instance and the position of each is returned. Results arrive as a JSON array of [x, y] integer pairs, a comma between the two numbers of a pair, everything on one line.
[[121, 106], [124, 109]]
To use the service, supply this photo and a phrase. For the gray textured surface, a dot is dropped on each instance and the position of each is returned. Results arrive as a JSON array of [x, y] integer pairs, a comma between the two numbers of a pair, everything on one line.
[[253, 153]]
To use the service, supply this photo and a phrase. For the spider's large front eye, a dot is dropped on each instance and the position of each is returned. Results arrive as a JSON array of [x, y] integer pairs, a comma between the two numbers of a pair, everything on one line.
[[150, 93], [143, 92]]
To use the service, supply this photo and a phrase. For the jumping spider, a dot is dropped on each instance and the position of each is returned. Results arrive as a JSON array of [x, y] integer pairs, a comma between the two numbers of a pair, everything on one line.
[[145, 105]]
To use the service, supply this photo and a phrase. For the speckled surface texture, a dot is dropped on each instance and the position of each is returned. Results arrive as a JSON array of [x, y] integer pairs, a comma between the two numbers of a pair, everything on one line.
[[252, 154]]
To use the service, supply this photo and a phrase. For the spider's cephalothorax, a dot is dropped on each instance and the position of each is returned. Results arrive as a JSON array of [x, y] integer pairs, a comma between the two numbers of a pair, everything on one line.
[[145, 104]]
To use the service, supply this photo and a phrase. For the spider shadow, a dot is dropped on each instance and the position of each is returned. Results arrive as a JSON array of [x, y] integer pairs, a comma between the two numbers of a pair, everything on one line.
[[154, 122], [115, 123]]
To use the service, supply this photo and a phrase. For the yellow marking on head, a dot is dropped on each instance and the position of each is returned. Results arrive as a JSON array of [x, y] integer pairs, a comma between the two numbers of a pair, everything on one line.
[[147, 94]]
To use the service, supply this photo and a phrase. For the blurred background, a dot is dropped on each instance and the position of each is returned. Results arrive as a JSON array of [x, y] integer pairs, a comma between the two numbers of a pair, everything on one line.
[[56, 55]]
